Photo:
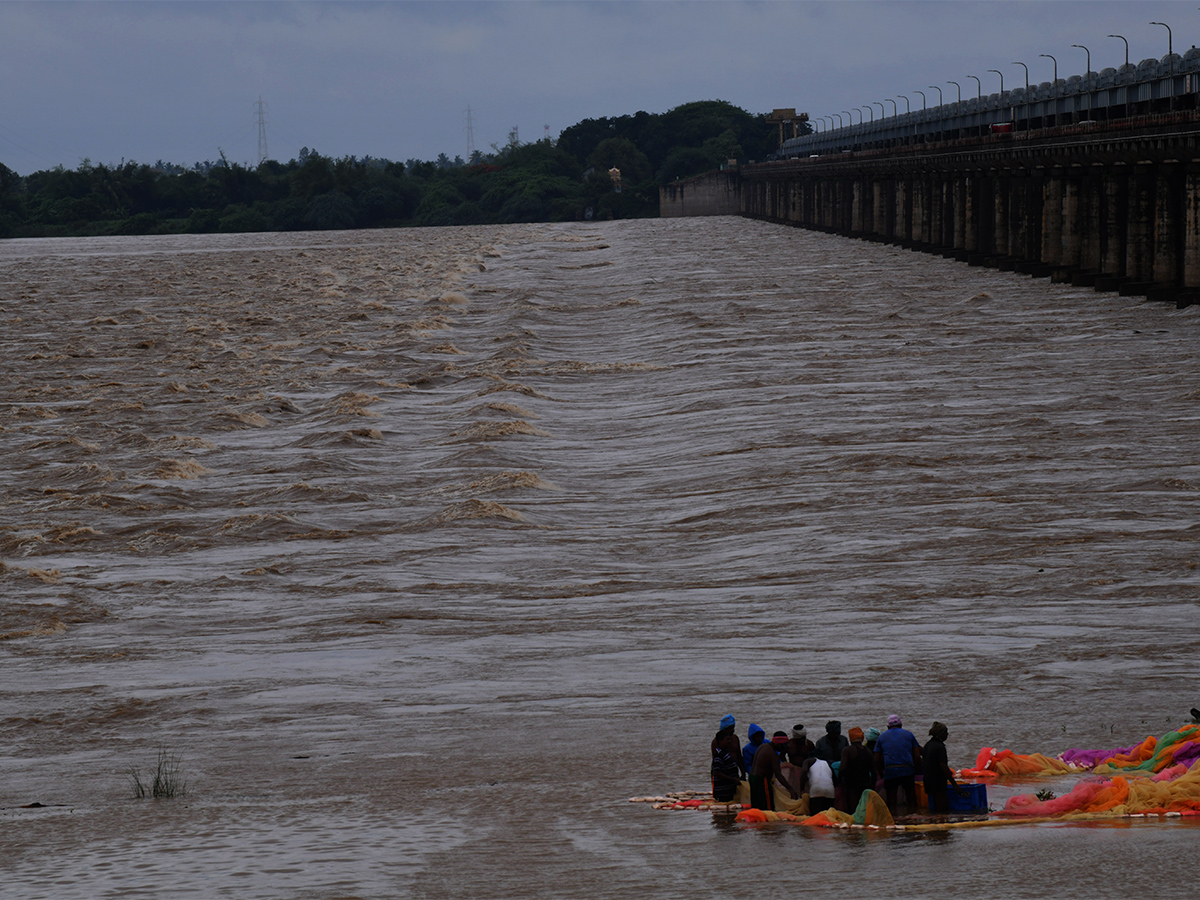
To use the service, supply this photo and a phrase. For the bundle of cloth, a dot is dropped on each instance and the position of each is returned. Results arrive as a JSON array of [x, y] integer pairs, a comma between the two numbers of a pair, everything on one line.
[[1175, 748]]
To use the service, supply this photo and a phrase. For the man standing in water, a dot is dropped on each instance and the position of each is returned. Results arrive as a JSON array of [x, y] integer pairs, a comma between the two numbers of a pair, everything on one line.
[[938, 774], [857, 771], [766, 770], [724, 732], [757, 736], [726, 773], [898, 754]]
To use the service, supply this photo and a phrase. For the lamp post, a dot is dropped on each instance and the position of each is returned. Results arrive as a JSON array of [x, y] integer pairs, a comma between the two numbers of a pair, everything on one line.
[[882, 108], [1001, 74], [850, 113], [978, 100], [1170, 60], [870, 112], [841, 124], [1055, 61], [1123, 38], [1170, 52], [1089, 76], [924, 108], [959, 86], [939, 90], [907, 107], [895, 108], [1026, 68]]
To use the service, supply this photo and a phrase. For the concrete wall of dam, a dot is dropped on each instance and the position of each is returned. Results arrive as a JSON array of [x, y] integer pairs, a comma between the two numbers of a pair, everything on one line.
[[712, 194], [1116, 210]]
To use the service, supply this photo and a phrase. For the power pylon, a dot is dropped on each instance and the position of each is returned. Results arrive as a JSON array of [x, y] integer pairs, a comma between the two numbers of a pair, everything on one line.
[[260, 116]]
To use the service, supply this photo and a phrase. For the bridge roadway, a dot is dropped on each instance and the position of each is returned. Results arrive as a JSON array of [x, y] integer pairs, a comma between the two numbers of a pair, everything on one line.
[[1112, 205]]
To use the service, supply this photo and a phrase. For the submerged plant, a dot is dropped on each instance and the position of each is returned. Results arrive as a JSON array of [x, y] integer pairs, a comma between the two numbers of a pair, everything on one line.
[[166, 781]]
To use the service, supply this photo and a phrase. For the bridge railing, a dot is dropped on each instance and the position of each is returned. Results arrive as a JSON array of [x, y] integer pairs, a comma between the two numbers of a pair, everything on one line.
[[1152, 86]]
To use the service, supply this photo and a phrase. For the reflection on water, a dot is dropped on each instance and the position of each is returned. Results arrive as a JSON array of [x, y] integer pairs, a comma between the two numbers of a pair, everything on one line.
[[426, 549]]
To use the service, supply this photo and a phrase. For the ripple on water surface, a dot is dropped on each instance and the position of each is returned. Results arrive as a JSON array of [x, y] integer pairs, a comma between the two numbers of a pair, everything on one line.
[[425, 549]]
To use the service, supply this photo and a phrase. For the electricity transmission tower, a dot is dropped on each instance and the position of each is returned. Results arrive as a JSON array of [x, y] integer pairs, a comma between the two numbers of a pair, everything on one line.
[[260, 115]]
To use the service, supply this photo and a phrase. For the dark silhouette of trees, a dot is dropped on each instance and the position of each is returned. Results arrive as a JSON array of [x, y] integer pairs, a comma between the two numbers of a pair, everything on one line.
[[542, 181]]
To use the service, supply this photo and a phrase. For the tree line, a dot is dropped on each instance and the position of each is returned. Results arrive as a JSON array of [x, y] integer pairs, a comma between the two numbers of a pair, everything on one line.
[[545, 181]]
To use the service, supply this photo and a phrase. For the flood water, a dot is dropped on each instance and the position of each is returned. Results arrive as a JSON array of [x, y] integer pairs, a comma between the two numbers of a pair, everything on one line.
[[424, 550]]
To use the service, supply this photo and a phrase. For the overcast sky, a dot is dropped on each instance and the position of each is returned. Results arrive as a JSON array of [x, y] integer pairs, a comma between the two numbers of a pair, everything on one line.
[[179, 81]]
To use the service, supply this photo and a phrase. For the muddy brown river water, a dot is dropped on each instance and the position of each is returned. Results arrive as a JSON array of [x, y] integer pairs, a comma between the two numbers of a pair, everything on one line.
[[424, 550]]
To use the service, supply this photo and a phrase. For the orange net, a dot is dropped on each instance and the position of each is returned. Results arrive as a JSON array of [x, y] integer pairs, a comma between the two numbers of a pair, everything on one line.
[[1117, 796], [991, 763], [872, 810], [1180, 747], [830, 818], [1175, 748]]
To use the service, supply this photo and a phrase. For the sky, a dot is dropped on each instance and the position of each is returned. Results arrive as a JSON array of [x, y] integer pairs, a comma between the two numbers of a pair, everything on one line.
[[180, 81]]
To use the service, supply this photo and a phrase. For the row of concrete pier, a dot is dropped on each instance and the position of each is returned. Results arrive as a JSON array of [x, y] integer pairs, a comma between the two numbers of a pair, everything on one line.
[[1115, 210]]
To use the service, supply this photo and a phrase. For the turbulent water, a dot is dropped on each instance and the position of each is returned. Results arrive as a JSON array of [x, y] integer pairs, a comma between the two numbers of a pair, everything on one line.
[[422, 551]]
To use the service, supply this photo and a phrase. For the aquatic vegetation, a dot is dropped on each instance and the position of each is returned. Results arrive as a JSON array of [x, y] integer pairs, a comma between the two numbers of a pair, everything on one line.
[[165, 782]]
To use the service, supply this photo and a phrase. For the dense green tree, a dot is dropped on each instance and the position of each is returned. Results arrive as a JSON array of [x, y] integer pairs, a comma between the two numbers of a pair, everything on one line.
[[539, 181]]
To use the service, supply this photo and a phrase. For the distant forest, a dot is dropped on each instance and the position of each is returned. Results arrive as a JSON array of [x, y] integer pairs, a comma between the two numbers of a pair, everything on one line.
[[545, 181]]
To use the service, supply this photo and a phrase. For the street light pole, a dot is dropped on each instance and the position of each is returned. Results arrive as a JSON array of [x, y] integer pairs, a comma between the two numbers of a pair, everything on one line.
[[1089, 76], [1001, 74], [1170, 60], [978, 100], [895, 108], [924, 108], [1170, 52], [1055, 61], [907, 107], [1122, 37], [1026, 68]]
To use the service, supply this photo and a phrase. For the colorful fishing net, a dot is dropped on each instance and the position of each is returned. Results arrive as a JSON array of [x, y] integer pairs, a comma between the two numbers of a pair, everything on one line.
[[992, 763], [872, 810], [1118, 796], [1180, 747]]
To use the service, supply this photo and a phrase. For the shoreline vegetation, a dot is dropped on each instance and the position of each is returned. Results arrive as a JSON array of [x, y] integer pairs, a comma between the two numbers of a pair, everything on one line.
[[544, 181]]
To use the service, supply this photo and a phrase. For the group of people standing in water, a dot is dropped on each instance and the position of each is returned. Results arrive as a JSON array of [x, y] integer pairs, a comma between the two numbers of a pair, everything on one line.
[[836, 769]]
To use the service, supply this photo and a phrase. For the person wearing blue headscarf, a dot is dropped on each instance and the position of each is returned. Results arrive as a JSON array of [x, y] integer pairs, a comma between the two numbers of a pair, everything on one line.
[[724, 733], [756, 738]]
